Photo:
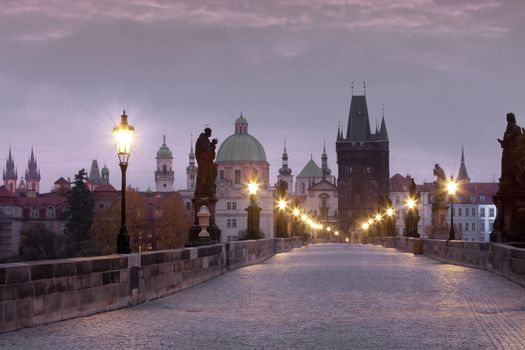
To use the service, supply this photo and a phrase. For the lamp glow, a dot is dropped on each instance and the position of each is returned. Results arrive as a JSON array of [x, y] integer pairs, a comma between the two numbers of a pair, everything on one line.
[[123, 137], [411, 203], [253, 187], [281, 204], [365, 226], [452, 187], [390, 212], [296, 212]]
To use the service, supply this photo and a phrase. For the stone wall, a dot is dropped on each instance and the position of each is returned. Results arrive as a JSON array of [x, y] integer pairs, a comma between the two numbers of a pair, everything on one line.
[[502, 259], [41, 292]]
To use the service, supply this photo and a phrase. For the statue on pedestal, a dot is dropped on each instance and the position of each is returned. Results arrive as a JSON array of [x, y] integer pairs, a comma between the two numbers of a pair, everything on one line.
[[412, 216], [439, 228], [509, 225], [205, 188]]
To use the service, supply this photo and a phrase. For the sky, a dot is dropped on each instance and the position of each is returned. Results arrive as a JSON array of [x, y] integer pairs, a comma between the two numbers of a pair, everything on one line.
[[446, 71]]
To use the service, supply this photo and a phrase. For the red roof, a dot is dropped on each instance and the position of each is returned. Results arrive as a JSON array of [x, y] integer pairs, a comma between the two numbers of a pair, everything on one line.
[[477, 192], [61, 181], [55, 200], [105, 188]]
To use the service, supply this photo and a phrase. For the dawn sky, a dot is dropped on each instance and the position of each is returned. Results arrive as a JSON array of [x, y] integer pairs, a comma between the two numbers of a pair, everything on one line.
[[446, 71]]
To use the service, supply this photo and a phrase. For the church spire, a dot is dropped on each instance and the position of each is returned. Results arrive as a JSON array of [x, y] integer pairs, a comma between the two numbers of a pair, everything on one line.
[[383, 134], [285, 170], [324, 161], [462, 173], [191, 169]]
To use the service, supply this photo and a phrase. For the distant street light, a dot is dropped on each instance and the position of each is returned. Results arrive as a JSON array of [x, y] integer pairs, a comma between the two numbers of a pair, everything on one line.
[[123, 137], [452, 187]]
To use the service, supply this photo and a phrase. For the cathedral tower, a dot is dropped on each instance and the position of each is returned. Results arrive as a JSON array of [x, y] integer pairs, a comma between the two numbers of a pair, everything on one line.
[[363, 164], [10, 174], [462, 173], [285, 173], [191, 170], [164, 175], [32, 176]]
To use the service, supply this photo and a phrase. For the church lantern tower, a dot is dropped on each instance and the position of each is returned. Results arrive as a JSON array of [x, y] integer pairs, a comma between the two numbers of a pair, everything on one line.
[[10, 174], [324, 162], [285, 173], [363, 164], [191, 170], [164, 175], [105, 175], [32, 176]]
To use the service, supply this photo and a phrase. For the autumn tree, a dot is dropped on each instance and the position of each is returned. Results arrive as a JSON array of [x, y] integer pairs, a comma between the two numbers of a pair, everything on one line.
[[39, 243], [174, 223], [80, 213]]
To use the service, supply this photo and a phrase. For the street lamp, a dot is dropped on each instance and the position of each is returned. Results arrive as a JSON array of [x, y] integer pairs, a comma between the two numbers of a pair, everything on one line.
[[253, 212], [281, 223], [123, 136], [452, 187]]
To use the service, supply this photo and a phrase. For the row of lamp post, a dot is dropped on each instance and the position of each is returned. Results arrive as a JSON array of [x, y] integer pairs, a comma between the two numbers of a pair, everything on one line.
[[411, 203]]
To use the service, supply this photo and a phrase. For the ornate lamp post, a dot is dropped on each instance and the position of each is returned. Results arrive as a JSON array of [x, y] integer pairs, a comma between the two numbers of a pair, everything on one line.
[[253, 212], [123, 136], [452, 187]]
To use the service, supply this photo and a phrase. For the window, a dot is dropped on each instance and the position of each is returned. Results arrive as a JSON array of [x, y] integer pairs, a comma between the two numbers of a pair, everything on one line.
[[473, 211], [473, 226], [164, 168], [234, 205], [460, 226], [482, 212], [491, 225], [234, 222], [466, 226], [229, 206], [101, 205], [491, 212], [397, 199], [221, 175], [229, 223], [35, 214], [232, 238], [237, 177], [454, 212], [50, 212], [368, 170], [157, 212], [188, 205], [482, 226], [460, 211], [467, 211]]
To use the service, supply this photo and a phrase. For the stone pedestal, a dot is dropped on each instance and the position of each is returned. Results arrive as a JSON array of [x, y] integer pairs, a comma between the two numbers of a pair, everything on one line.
[[254, 214], [510, 218], [212, 229], [440, 228]]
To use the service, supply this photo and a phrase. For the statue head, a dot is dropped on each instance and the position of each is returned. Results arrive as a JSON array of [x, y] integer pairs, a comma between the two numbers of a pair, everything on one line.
[[511, 118], [207, 132]]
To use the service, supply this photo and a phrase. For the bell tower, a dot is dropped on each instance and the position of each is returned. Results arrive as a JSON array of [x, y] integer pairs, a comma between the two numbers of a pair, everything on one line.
[[164, 175]]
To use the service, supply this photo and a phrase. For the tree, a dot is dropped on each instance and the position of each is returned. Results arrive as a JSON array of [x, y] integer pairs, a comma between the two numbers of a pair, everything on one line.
[[174, 223], [80, 214], [39, 243], [104, 229]]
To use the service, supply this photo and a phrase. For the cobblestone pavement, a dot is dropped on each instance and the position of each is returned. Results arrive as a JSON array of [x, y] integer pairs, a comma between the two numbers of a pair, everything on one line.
[[324, 296]]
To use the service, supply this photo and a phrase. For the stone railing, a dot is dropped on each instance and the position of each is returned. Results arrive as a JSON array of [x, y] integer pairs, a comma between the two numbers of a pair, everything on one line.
[[502, 259], [35, 293]]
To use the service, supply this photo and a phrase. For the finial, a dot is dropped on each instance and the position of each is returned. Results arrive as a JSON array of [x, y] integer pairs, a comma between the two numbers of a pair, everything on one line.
[[124, 112], [285, 145], [311, 156], [352, 87], [164, 140], [382, 110], [324, 145], [364, 87]]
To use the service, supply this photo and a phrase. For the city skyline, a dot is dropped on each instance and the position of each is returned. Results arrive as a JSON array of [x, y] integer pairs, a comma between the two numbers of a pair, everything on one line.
[[68, 70]]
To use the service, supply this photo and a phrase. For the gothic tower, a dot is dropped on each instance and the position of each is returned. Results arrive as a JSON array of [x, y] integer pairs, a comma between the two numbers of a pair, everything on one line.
[[191, 170], [32, 176], [105, 175], [164, 175], [363, 164], [10, 173], [285, 173]]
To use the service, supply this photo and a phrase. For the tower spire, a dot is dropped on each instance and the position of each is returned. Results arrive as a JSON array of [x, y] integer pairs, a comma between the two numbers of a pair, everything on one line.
[[285, 170], [383, 134], [462, 173]]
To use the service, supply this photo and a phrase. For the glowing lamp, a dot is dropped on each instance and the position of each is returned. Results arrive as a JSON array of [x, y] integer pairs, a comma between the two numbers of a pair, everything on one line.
[[123, 137], [253, 187]]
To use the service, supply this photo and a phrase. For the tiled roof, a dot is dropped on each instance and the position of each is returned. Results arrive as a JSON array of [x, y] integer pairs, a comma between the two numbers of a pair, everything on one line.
[[105, 188], [311, 169]]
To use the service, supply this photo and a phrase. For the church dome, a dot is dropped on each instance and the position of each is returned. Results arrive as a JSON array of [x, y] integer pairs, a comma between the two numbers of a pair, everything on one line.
[[164, 150], [241, 146]]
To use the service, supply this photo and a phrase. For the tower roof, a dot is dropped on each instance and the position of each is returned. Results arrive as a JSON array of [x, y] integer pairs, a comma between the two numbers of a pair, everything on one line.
[[285, 170], [311, 169], [358, 120], [383, 134], [462, 173], [164, 151], [10, 172], [94, 172], [32, 172]]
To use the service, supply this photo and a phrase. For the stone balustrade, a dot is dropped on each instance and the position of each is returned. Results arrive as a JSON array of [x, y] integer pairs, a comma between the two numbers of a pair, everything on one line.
[[41, 292], [503, 259]]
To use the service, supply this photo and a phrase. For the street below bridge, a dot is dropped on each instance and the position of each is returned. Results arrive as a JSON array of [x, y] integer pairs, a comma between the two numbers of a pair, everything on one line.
[[323, 296]]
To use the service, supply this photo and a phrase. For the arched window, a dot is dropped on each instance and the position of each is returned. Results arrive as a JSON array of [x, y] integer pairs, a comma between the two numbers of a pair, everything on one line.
[[164, 168], [35, 212], [50, 212]]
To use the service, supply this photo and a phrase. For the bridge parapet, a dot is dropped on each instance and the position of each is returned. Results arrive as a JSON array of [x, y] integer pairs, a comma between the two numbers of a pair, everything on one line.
[[41, 292]]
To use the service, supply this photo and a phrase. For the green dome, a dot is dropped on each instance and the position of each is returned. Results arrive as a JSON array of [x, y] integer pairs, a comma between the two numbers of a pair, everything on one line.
[[241, 146], [164, 150]]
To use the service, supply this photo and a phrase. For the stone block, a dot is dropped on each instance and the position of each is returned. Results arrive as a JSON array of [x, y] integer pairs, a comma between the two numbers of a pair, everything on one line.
[[185, 254], [42, 271], [119, 263], [59, 285], [43, 287], [65, 269], [39, 311], [160, 257], [100, 265], [134, 277], [70, 304], [112, 294], [83, 267], [8, 292], [147, 259], [92, 280], [74, 283], [24, 312], [53, 307], [25, 290], [9, 315], [17, 274], [517, 266]]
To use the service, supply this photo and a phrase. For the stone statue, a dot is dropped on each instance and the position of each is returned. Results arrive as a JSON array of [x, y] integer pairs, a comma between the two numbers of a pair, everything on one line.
[[511, 161], [440, 173], [207, 169], [412, 216]]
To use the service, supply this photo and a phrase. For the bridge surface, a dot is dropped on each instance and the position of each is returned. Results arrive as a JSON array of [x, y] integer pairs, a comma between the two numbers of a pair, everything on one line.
[[324, 296]]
